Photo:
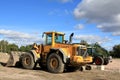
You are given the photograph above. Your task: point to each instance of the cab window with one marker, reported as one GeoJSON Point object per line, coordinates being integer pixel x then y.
{"type": "Point", "coordinates": [58, 38]}
{"type": "Point", "coordinates": [49, 39]}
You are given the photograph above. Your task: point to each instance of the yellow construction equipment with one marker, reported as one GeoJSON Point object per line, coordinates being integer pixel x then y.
{"type": "Point", "coordinates": [57, 54]}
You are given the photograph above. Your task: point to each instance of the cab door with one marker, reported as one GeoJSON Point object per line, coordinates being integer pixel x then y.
{"type": "Point", "coordinates": [48, 42]}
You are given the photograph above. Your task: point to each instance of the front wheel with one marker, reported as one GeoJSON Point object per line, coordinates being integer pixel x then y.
{"type": "Point", "coordinates": [28, 61]}
{"type": "Point", "coordinates": [55, 63]}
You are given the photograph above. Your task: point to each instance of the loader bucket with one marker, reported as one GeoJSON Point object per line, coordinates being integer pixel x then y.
{"type": "Point", "coordinates": [13, 59]}
{"type": "Point", "coordinates": [10, 61]}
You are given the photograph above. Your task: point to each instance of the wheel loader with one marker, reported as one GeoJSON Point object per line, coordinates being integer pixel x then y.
{"type": "Point", "coordinates": [56, 54]}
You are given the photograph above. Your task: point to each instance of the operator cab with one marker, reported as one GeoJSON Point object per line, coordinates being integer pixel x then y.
{"type": "Point", "coordinates": [54, 37]}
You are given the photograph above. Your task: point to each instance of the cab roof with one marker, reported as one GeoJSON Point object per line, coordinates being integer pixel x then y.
{"type": "Point", "coordinates": [54, 32]}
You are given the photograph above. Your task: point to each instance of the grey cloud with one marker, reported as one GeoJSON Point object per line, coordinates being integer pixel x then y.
{"type": "Point", "coordinates": [104, 13]}
{"type": "Point", "coordinates": [14, 34]}
{"type": "Point", "coordinates": [20, 37]}
{"type": "Point", "coordinates": [110, 27]}
{"type": "Point", "coordinates": [92, 38]}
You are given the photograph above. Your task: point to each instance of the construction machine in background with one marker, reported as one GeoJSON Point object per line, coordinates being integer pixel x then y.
{"type": "Point", "coordinates": [57, 54]}
{"type": "Point", "coordinates": [98, 59]}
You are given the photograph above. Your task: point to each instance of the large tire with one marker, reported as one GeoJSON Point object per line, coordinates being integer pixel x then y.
{"type": "Point", "coordinates": [55, 63]}
{"type": "Point", "coordinates": [106, 61]}
{"type": "Point", "coordinates": [99, 60]}
{"type": "Point", "coordinates": [28, 61]}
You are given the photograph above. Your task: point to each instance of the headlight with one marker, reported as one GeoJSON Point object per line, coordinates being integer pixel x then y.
{"type": "Point", "coordinates": [69, 56]}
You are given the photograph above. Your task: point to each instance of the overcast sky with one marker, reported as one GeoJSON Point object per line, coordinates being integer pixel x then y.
{"type": "Point", "coordinates": [23, 21]}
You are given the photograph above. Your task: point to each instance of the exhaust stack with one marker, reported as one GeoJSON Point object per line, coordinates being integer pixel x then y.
{"type": "Point", "coordinates": [70, 38]}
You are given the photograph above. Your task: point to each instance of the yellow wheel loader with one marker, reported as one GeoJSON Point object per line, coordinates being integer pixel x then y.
{"type": "Point", "coordinates": [57, 54]}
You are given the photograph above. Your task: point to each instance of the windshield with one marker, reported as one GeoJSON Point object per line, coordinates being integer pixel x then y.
{"type": "Point", "coordinates": [90, 51]}
{"type": "Point", "coordinates": [58, 38]}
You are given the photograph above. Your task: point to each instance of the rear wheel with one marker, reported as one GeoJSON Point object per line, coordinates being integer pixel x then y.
{"type": "Point", "coordinates": [55, 63]}
{"type": "Point", "coordinates": [28, 61]}
{"type": "Point", "coordinates": [99, 60]}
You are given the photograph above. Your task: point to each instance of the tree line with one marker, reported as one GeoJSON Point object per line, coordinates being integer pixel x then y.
{"type": "Point", "coordinates": [115, 52]}
{"type": "Point", "coordinates": [8, 47]}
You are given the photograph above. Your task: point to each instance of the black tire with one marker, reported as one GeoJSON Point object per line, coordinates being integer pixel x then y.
{"type": "Point", "coordinates": [82, 68]}
{"type": "Point", "coordinates": [18, 64]}
{"type": "Point", "coordinates": [72, 68]}
{"type": "Point", "coordinates": [28, 61]}
{"type": "Point", "coordinates": [106, 61]}
{"type": "Point", "coordinates": [42, 66]}
{"type": "Point", "coordinates": [99, 60]}
{"type": "Point", "coordinates": [88, 67]}
{"type": "Point", "coordinates": [55, 63]}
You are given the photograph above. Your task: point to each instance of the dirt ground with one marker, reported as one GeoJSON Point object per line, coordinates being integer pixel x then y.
{"type": "Point", "coordinates": [111, 72]}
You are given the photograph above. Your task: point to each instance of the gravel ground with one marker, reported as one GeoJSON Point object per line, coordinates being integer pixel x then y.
{"type": "Point", "coordinates": [111, 72]}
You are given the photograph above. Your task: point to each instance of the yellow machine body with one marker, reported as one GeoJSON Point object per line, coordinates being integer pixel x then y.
{"type": "Point", "coordinates": [75, 52]}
